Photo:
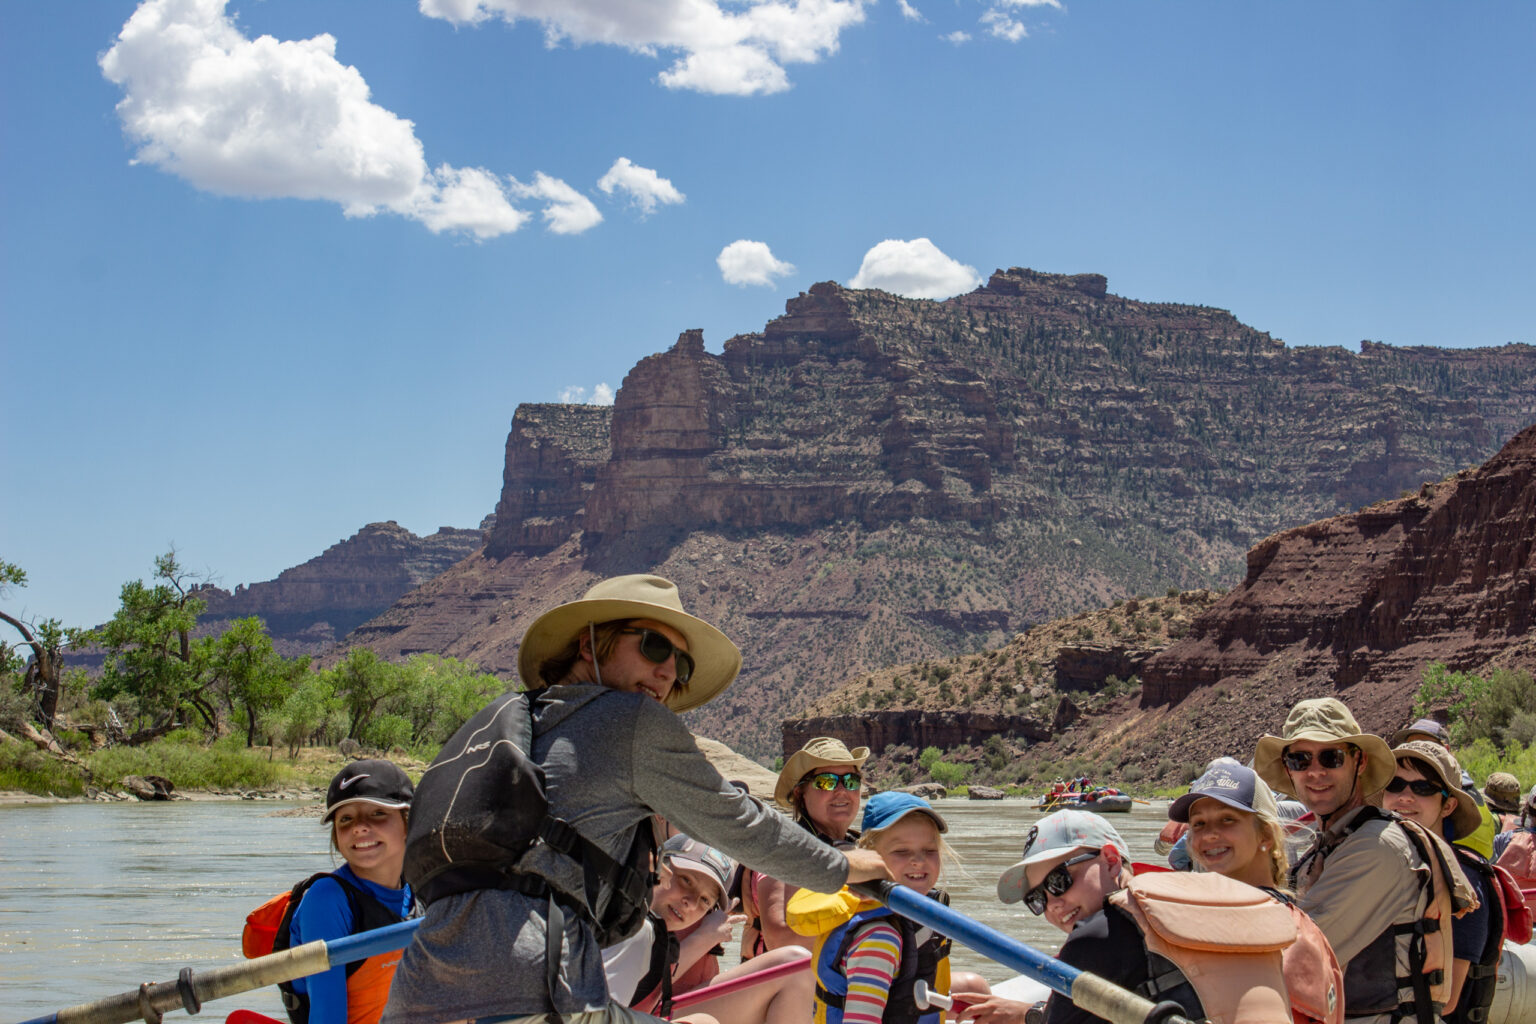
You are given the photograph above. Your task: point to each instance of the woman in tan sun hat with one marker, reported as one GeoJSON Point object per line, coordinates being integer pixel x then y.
{"type": "Point", "coordinates": [610, 670]}
{"type": "Point", "coordinates": [820, 786]}
{"type": "Point", "coordinates": [1427, 789]}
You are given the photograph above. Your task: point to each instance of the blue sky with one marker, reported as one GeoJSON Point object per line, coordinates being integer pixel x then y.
{"type": "Point", "coordinates": [280, 268]}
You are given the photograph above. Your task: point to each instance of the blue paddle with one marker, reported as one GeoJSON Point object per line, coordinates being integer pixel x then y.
{"type": "Point", "coordinates": [1088, 991]}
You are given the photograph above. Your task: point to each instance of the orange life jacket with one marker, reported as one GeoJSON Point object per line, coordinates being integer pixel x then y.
{"type": "Point", "coordinates": [1225, 938]}
{"type": "Point", "coordinates": [1313, 977]}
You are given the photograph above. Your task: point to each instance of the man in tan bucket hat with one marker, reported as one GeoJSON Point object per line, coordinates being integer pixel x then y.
{"type": "Point", "coordinates": [610, 671]}
{"type": "Point", "coordinates": [1366, 880]}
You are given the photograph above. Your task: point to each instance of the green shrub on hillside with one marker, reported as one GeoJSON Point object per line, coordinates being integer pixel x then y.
{"type": "Point", "coordinates": [25, 768]}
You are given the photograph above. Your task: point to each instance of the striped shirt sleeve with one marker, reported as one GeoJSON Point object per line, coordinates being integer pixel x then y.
{"type": "Point", "coordinates": [869, 966]}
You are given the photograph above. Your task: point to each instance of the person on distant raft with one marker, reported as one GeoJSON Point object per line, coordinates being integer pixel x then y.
{"type": "Point", "coordinates": [1234, 830]}
{"type": "Point", "coordinates": [820, 786]}
{"type": "Point", "coordinates": [366, 806]}
{"type": "Point", "coordinates": [1382, 889]}
{"type": "Point", "coordinates": [610, 672]}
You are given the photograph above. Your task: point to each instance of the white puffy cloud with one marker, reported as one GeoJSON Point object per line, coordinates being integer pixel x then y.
{"type": "Point", "coordinates": [567, 212]}
{"type": "Point", "coordinates": [909, 12]}
{"type": "Point", "coordinates": [576, 394]}
{"type": "Point", "coordinates": [957, 37]}
{"type": "Point", "coordinates": [645, 187]}
{"type": "Point", "coordinates": [269, 118]}
{"type": "Point", "coordinates": [745, 262]}
{"type": "Point", "coordinates": [916, 269]}
{"type": "Point", "coordinates": [729, 47]}
{"type": "Point", "coordinates": [1003, 26]}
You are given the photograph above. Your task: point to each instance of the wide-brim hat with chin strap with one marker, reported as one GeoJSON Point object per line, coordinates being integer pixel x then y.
{"type": "Point", "coordinates": [715, 659]}
{"type": "Point", "coordinates": [1444, 769]}
{"type": "Point", "coordinates": [1323, 720]}
{"type": "Point", "coordinates": [820, 752]}
{"type": "Point", "coordinates": [1502, 791]}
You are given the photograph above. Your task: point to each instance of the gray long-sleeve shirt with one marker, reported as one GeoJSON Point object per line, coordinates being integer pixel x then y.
{"type": "Point", "coordinates": [610, 759]}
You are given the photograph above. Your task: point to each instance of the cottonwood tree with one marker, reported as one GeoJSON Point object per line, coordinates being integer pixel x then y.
{"type": "Point", "coordinates": [249, 676]}
{"type": "Point", "coordinates": [151, 655]}
{"type": "Point", "coordinates": [46, 640]}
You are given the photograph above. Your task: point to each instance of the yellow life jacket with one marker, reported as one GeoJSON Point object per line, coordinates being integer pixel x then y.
{"type": "Point", "coordinates": [1225, 938]}
{"type": "Point", "coordinates": [833, 919]}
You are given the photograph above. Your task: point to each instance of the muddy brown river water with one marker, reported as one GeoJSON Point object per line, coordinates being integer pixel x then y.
{"type": "Point", "coordinates": [97, 898]}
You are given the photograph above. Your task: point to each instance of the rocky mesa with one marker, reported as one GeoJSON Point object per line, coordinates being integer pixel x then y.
{"type": "Point", "coordinates": [872, 480]}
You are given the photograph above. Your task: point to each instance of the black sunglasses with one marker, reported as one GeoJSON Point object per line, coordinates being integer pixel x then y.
{"type": "Point", "coordinates": [1057, 881]}
{"type": "Point", "coordinates": [1420, 787]}
{"type": "Point", "coordinates": [1301, 760]}
{"type": "Point", "coordinates": [657, 648]}
{"type": "Point", "coordinates": [827, 781]}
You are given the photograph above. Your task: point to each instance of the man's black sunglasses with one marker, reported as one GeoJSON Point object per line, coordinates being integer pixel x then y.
{"type": "Point", "coordinates": [1420, 787]}
{"type": "Point", "coordinates": [657, 648]}
{"type": "Point", "coordinates": [1301, 760]}
{"type": "Point", "coordinates": [1057, 881]}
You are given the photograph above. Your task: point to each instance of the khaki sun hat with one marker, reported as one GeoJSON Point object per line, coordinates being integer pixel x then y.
{"type": "Point", "coordinates": [1323, 720]}
{"type": "Point", "coordinates": [1502, 791]}
{"type": "Point", "coordinates": [817, 753]}
{"type": "Point", "coordinates": [716, 660]}
{"type": "Point", "coordinates": [1442, 768]}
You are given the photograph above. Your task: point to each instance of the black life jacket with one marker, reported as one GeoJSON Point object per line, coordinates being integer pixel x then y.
{"type": "Point", "coordinates": [481, 806]}
{"type": "Point", "coordinates": [367, 914]}
{"type": "Point", "coordinates": [1483, 973]}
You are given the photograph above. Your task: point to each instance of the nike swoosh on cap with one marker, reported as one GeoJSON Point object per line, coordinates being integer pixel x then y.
{"type": "Point", "coordinates": [347, 782]}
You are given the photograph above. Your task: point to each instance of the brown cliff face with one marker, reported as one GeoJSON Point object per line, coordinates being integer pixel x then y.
{"type": "Point", "coordinates": [872, 480]}
{"type": "Point", "coordinates": [1357, 605]}
{"type": "Point", "coordinates": [552, 458]}
{"type": "Point", "coordinates": [879, 730]}
{"type": "Point", "coordinates": [311, 605]}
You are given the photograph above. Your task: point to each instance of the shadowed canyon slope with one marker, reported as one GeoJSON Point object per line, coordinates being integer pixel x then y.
{"type": "Point", "coordinates": [874, 480]}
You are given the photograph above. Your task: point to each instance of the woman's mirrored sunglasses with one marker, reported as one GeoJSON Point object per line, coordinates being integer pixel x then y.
{"type": "Point", "coordinates": [1420, 787]}
{"type": "Point", "coordinates": [1301, 760]}
{"type": "Point", "coordinates": [1057, 881]}
{"type": "Point", "coordinates": [828, 781]}
{"type": "Point", "coordinates": [657, 648]}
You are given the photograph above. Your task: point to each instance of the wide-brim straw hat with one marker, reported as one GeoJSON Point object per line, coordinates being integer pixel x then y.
{"type": "Point", "coordinates": [817, 753]}
{"type": "Point", "coordinates": [1323, 720]}
{"type": "Point", "coordinates": [1443, 768]}
{"type": "Point", "coordinates": [715, 659]}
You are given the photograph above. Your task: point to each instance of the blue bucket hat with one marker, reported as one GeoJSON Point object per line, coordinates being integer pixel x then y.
{"type": "Point", "coordinates": [1232, 784]}
{"type": "Point", "coordinates": [886, 809]}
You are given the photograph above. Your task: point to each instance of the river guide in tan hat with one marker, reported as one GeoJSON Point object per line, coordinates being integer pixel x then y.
{"type": "Point", "coordinates": [646, 612]}
{"type": "Point", "coordinates": [518, 931]}
{"type": "Point", "coordinates": [1368, 876]}
{"type": "Point", "coordinates": [1324, 722]}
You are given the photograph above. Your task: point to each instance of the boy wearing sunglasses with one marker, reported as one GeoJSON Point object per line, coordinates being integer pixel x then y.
{"type": "Point", "coordinates": [1073, 862]}
{"type": "Point", "coordinates": [610, 672]}
{"type": "Point", "coordinates": [1377, 888]}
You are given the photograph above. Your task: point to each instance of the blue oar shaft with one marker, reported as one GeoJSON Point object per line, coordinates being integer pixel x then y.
{"type": "Point", "coordinates": [233, 979]}
{"type": "Point", "coordinates": [1088, 991]}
